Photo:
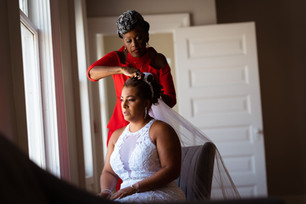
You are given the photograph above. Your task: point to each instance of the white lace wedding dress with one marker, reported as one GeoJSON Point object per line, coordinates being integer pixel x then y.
{"type": "Point", "coordinates": [135, 158]}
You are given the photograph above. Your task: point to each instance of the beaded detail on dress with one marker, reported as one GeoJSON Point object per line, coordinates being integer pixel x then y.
{"type": "Point", "coordinates": [143, 161]}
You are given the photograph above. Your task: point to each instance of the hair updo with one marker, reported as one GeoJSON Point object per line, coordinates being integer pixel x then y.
{"type": "Point", "coordinates": [144, 90]}
{"type": "Point", "coordinates": [129, 20]}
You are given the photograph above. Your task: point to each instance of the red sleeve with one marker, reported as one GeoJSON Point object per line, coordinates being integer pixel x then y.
{"type": "Point", "coordinates": [110, 59]}
{"type": "Point", "coordinates": [166, 81]}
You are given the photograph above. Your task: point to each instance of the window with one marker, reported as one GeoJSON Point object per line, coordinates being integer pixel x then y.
{"type": "Point", "coordinates": [29, 39]}
{"type": "Point", "coordinates": [39, 79]}
{"type": "Point", "coordinates": [23, 5]}
{"type": "Point", "coordinates": [51, 133]}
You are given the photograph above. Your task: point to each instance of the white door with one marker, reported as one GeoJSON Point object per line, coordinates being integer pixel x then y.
{"type": "Point", "coordinates": [218, 91]}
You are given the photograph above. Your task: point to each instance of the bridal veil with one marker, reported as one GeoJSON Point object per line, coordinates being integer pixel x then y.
{"type": "Point", "coordinates": [222, 185]}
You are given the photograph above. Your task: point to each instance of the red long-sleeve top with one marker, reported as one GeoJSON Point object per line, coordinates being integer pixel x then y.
{"type": "Point", "coordinates": [163, 76]}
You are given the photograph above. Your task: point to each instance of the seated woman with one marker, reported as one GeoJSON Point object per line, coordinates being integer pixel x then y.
{"type": "Point", "coordinates": [146, 154]}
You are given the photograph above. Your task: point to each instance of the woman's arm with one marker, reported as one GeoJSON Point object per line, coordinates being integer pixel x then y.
{"type": "Point", "coordinates": [100, 72]}
{"type": "Point", "coordinates": [169, 151]}
{"type": "Point", "coordinates": [108, 65]}
{"type": "Point", "coordinates": [159, 61]}
{"type": "Point", "coordinates": [108, 178]}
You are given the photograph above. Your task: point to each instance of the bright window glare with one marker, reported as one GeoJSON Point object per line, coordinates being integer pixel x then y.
{"type": "Point", "coordinates": [23, 5]}
{"type": "Point", "coordinates": [33, 96]}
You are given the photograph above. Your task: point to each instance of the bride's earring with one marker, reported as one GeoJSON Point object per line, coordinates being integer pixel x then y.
{"type": "Point", "coordinates": [145, 113]}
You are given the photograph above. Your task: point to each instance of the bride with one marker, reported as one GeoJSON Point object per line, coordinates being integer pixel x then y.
{"type": "Point", "coordinates": [146, 154]}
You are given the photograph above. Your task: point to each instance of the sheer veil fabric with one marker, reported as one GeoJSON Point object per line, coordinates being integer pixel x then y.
{"type": "Point", "coordinates": [222, 185]}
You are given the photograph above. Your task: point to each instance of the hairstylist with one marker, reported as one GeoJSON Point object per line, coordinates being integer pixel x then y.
{"type": "Point", "coordinates": [133, 58]}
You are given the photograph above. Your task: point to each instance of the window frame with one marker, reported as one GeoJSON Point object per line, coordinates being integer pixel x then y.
{"type": "Point", "coordinates": [36, 141]}
{"type": "Point", "coordinates": [54, 116]}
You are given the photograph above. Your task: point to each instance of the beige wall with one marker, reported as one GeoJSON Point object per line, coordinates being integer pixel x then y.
{"type": "Point", "coordinates": [111, 43]}
{"type": "Point", "coordinates": [202, 11]}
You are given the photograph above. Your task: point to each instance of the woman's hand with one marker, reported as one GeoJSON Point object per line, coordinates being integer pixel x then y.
{"type": "Point", "coordinates": [123, 193]}
{"type": "Point", "coordinates": [105, 194]}
{"type": "Point", "coordinates": [131, 72]}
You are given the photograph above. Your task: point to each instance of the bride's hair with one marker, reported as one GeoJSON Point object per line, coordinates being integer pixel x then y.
{"type": "Point", "coordinates": [147, 87]}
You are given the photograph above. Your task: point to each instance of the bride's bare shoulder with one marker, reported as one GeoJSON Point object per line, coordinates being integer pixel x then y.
{"type": "Point", "coordinates": [160, 128]}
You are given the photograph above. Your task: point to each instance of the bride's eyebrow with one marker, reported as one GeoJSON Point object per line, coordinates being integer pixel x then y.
{"type": "Point", "coordinates": [131, 96]}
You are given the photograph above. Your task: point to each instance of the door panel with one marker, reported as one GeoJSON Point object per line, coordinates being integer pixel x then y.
{"type": "Point", "coordinates": [218, 91]}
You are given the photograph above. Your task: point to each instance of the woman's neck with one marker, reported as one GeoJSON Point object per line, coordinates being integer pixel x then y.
{"type": "Point", "coordinates": [137, 125]}
{"type": "Point", "coordinates": [137, 60]}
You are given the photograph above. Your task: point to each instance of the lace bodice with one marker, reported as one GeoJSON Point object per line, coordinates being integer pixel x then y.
{"type": "Point", "coordinates": [141, 161]}
{"type": "Point", "coordinates": [135, 158]}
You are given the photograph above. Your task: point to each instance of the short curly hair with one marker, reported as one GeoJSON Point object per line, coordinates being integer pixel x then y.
{"type": "Point", "coordinates": [129, 20]}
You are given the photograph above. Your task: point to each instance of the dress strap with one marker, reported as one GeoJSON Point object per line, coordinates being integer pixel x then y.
{"type": "Point", "coordinates": [149, 124]}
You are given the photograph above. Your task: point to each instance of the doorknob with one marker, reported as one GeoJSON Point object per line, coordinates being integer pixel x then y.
{"type": "Point", "coordinates": [258, 134]}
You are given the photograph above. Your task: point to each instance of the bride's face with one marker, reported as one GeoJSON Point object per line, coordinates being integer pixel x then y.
{"type": "Point", "coordinates": [133, 106]}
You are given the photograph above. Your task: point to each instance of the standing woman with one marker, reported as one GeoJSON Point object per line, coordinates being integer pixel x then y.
{"type": "Point", "coordinates": [130, 60]}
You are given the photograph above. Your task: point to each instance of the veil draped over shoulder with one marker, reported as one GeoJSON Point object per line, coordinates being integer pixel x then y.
{"type": "Point", "coordinates": [222, 185]}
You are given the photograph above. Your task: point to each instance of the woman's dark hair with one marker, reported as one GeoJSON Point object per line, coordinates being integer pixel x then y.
{"type": "Point", "coordinates": [129, 20]}
{"type": "Point", "coordinates": [144, 90]}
